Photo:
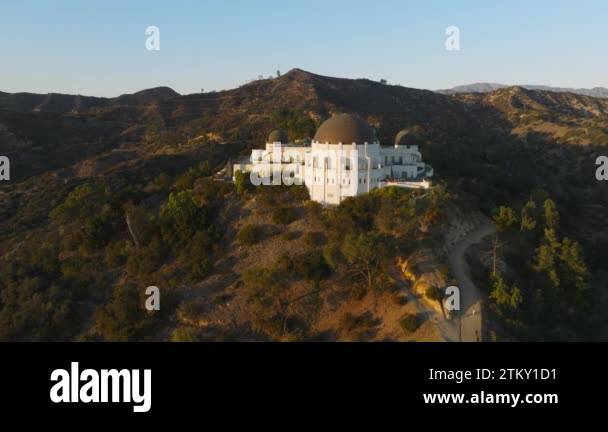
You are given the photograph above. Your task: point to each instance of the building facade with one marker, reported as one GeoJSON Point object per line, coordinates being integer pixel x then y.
{"type": "Point", "coordinates": [344, 159]}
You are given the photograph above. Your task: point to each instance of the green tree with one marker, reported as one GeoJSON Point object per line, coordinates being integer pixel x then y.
{"type": "Point", "coordinates": [250, 234]}
{"type": "Point", "coordinates": [240, 182]}
{"type": "Point", "coordinates": [140, 224]}
{"type": "Point", "coordinates": [123, 318]}
{"type": "Point", "coordinates": [267, 294]}
{"type": "Point", "coordinates": [80, 203]}
{"type": "Point", "coordinates": [284, 215]}
{"type": "Point", "coordinates": [365, 254]}
{"type": "Point", "coordinates": [503, 295]}
{"type": "Point", "coordinates": [505, 218]}
{"type": "Point", "coordinates": [575, 268]}
{"type": "Point", "coordinates": [547, 255]}
{"type": "Point", "coordinates": [409, 323]}
{"type": "Point", "coordinates": [184, 334]}
{"type": "Point", "coordinates": [181, 218]}
{"type": "Point", "coordinates": [551, 214]}
{"type": "Point", "coordinates": [527, 217]}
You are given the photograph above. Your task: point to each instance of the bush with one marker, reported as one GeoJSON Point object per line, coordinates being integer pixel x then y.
{"type": "Point", "coordinates": [185, 334]}
{"type": "Point", "coordinates": [284, 215]}
{"type": "Point", "coordinates": [72, 268]}
{"type": "Point", "coordinates": [311, 266]}
{"type": "Point", "coordinates": [186, 180]}
{"type": "Point", "coordinates": [199, 252]}
{"type": "Point", "coordinates": [122, 318]}
{"type": "Point", "coordinates": [221, 299]}
{"type": "Point", "coordinates": [250, 234]}
{"type": "Point", "coordinates": [348, 322]}
{"type": "Point", "coordinates": [147, 259]}
{"type": "Point", "coordinates": [181, 218]}
{"type": "Point", "coordinates": [161, 183]}
{"type": "Point", "coordinates": [314, 212]}
{"type": "Point", "coordinates": [313, 239]}
{"type": "Point", "coordinates": [241, 183]}
{"type": "Point", "coordinates": [400, 300]}
{"type": "Point", "coordinates": [200, 269]}
{"type": "Point", "coordinates": [290, 235]}
{"type": "Point", "coordinates": [409, 323]}
{"type": "Point", "coordinates": [96, 233]}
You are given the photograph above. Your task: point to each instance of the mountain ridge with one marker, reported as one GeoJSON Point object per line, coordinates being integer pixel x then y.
{"type": "Point", "coordinates": [485, 87]}
{"type": "Point", "coordinates": [75, 103]}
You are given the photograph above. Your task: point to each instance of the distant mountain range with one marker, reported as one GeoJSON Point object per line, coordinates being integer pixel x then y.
{"type": "Point", "coordinates": [601, 92]}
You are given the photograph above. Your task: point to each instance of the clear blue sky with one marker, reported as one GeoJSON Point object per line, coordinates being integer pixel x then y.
{"type": "Point", "coordinates": [97, 47]}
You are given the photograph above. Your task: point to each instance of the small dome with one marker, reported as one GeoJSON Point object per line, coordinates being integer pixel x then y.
{"type": "Point", "coordinates": [278, 136]}
{"type": "Point", "coordinates": [345, 129]}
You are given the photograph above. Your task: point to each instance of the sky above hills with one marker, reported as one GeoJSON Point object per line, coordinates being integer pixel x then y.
{"type": "Point", "coordinates": [97, 47]}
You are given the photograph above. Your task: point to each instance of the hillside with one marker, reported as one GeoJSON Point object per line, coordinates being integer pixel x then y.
{"type": "Point", "coordinates": [489, 149]}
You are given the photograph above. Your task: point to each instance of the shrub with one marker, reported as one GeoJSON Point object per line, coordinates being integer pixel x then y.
{"type": "Point", "coordinates": [313, 239]}
{"type": "Point", "coordinates": [122, 317]}
{"type": "Point", "coordinates": [348, 322]}
{"type": "Point", "coordinates": [186, 180]}
{"type": "Point", "coordinates": [185, 334]}
{"type": "Point", "coordinates": [409, 323]}
{"type": "Point", "coordinates": [241, 183]}
{"type": "Point", "coordinates": [314, 212]}
{"type": "Point", "coordinates": [148, 259]}
{"type": "Point", "coordinates": [200, 269]}
{"type": "Point", "coordinates": [221, 299]}
{"type": "Point", "coordinates": [311, 266]}
{"type": "Point", "coordinates": [400, 300]}
{"type": "Point", "coordinates": [250, 234]}
{"type": "Point", "coordinates": [181, 218]}
{"type": "Point", "coordinates": [284, 215]}
{"type": "Point", "coordinates": [96, 233]}
{"type": "Point", "coordinates": [162, 182]}
{"type": "Point", "coordinates": [290, 235]}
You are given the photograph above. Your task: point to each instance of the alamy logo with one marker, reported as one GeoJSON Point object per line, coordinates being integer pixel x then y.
{"type": "Point", "coordinates": [90, 386]}
{"type": "Point", "coordinates": [153, 39]}
{"type": "Point", "coordinates": [452, 42]}
{"type": "Point", "coordinates": [5, 168]}
{"type": "Point", "coordinates": [602, 171]}
{"type": "Point", "coordinates": [285, 166]}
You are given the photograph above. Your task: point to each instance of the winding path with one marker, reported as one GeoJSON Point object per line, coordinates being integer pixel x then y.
{"type": "Point", "coordinates": [470, 295]}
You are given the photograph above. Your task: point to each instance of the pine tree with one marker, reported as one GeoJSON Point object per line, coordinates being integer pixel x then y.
{"type": "Point", "coordinates": [503, 295]}
{"type": "Point", "coordinates": [505, 218]}
{"type": "Point", "coordinates": [547, 256]}
{"type": "Point", "coordinates": [572, 259]}
{"type": "Point", "coordinates": [527, 217]}
{"type": "Point", "coordinates": [551, 214]}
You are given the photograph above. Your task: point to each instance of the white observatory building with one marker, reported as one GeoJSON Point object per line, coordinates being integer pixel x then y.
{"type": "Point", "coordinates": [345, 159]}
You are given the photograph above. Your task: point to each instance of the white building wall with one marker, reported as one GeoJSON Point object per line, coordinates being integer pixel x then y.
{"type": "Point", "coordinates": [333, 172]}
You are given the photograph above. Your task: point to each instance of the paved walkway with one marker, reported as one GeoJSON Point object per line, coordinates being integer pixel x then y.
{"type": "Point", "coordinates": [470, 295]}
